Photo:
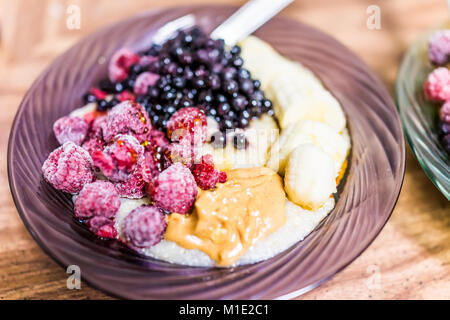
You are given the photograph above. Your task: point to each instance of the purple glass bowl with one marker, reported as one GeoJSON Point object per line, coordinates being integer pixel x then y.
{"type": "Point", "coordinates": [366, 197]}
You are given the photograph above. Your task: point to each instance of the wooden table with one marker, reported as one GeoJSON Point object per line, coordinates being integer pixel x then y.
{"type": "Point", "coordinates": [410, 259]}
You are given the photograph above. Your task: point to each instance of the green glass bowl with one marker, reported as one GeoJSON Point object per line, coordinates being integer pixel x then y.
{"type": "Point", "coordinates": [419, 117]}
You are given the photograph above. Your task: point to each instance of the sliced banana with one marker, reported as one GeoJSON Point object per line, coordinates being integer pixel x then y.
{"type": "Point", "coordinates": [297, 96]}
{"type": "Point", "coordinates": [289, 139]}
{"type": "Point", "coordinates": [307, 131]}
{"type": "Point", "coordinates": [256, 54]}
{"type": "Point", "coordinates": [310, 176]}
{"type": "Point", "coordinates": [295, 91]}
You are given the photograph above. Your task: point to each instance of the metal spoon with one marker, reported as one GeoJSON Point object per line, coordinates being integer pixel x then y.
{"type": "Point", "coordinates": [247, 19]}
{"type": "Point", "coordinates": [242, 23]}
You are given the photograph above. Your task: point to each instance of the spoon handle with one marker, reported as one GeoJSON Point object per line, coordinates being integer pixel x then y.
{"type": "Point", "coordinates": [247, 19]}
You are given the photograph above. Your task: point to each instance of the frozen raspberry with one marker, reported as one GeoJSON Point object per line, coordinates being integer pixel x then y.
{"type": "Point", "coordinates": [89, 117]}
{"type": "Point", "coordinates": [135, 186]}
{"type": "Point", "coordinates": [155, 152]}
{"type": "Point", "coordinates": [143, 81]}
{"type": "Point", "coordinates": [439, 47]}
{"type": "Point", "coordinates": [125, 95]}
{"type": "Point", "coordinates": [206, 176]}
{"type": "Point", "coordinates": [94, 140]}
{"type": "Point", "coordinates": [107, 231]}
{"type": "Point", "coordinates": [184, 152]}
{"type": "Point", "coordinates": [68, 168]}
{"type": "Point", "coordinates": [144, 226]}
{"type": "Point", "coordinates": [155, 163]}
{"type": "Point", "coordinates": [157, 139]}
{"type": "Point", "coordinates": [99, 94]}
{"type": "Point", "coordinates": [93, 145]}
{"type": "Point", "coordinates": [102, 227]}
{"type": "Point", "coordinates": [174, 189]}
{"type": "Point", "coordinates": [188, 123]}
{"type": "Point", "coordinates": [223, 177]}
{"type": "Point", "coordinates": [120, 158]}
{"type": "Point", "coordinates": [127, 118]}
{"type": "Point", "coordinates": [155, 148]}
{"type": "Point", "coordinates": [96, 128]}
{"type": "Point", "coordinates": [181, 153]}
{"type": "Point", "coordinates": [72, 129]}
{"type": "Point", "coordinates": [437, 85]}
{"type": "Point", "coordinates": [444, 113]}
{"type": "Point", "coordinates": [99, 198]}
{"type": "Point", "coordinates": [120, 62]}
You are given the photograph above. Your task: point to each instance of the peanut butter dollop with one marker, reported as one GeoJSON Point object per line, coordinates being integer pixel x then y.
{"type": "Point", "coordinates": [228, 220]}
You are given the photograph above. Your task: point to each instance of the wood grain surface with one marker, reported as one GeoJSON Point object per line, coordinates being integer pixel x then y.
{"type": "Point", "coordinates": [410, 259]}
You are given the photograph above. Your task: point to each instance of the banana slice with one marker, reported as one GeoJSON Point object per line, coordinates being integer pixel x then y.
{"type": "Point", "coordinates": [298, 95]}
{"type": "Point", "coordinates": [307, 131]}
{"type": "Point", "coordinates": [326, 109]}
{"type": "Point", "coordinates": [323, 136]}
{"type": "Point", "coordinates": [310, 177]}
{"type": "Point", "coordinates": [289, 139]}
{"type": "Point", "coordinates": [256, 54]}
{"type": "Point", "coordinates": [295, 91]}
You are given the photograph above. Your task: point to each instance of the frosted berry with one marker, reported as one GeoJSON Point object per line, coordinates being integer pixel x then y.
{"type": "Point", "coordinates": [99, 198]}
{"type": "Point", "coordinates": [439, 47]}
{"type": "Point", "coordinates": [68, 168]}
{"type": "Point", "coordinates": [125, 95]}
{"type": "Point", "coordinates": [174, 190]}
{"type": "Point", "coordinates": [98, 94]}
{"type": "Point", "coordinates": [102, 227]}
{"type": "Point", "coordinates": [119, 64]}
{"type": "Point", "coordinates": [188, 123]}
{"type": "Point", "coordinates": [94, 145]}
{"type": "Point", "coordinates": [96, 128]}
{"type": "Point", "coordinates": [206, 175]}
{"type": "Point", "coordinates": [144, 226]}
{"type": "Point", "coordinates": [134, 187]}
{"type": "Point", "coordinates": [184, 153]}
{"type": "Point", "coordinates": [155, 152]}
{"type": "Point", "coordinates": [157, 139]}
{"type": "Point", "coordinates": [127, 118]}
{"type": "Point", "coordinates": [444, 113]}
{"type": "Point", "coordinates": [70, 129]}
{"type": "Point", "coordinates": [94, 140]}
{"type": "Point", "coordinates": [223, 177]}
{"type": "Point", "coordinates": [181, 153]}
{"type": "Point", "coordinates": [89, 117]}
{"type": "Point", "coordinates": [120, 158]}
{"type": "Point", "coordinates": [143, 81]}
{"type": "Point", "coordinates": [437, 85]}
{"type": "Point", "coordinates": [154, 163]}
